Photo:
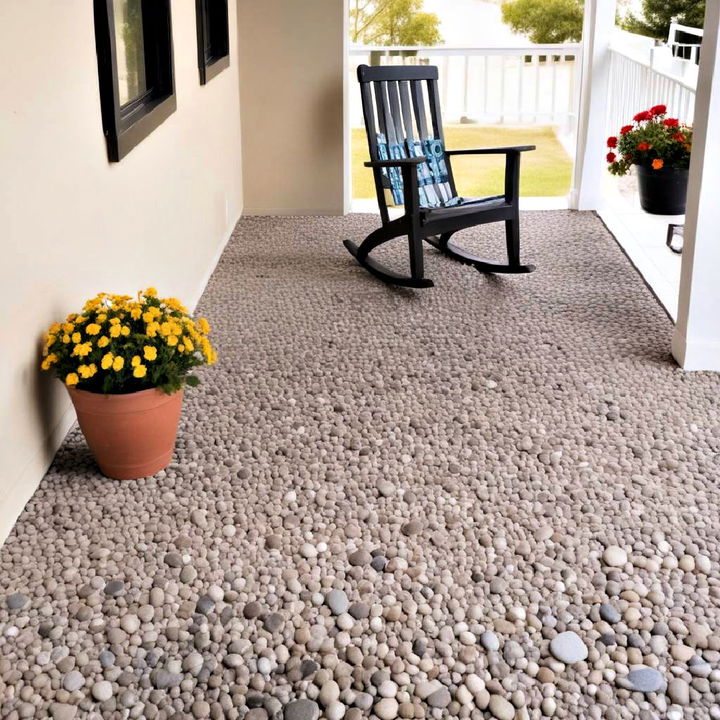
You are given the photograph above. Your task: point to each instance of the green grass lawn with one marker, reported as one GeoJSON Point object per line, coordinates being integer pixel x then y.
{"type": "Point", "coordinates": [544, 172]}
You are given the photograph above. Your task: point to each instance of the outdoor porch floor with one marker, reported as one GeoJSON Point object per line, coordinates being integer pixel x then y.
{"type": "Point", "coordinates": [390, 502]}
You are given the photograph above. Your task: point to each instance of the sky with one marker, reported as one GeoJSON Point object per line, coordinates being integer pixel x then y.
{"type": "Point", "coordinates": [478, 23]}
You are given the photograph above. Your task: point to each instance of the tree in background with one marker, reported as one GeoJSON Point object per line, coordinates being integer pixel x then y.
{"type": "Point", "coordinates": [658, 14]}
{"type": "Point", "coordinates": [393, 22]}
{"type": "Point", "coordinates": [545, 21]}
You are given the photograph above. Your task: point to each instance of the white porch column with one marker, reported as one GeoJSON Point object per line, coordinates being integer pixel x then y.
{"type": "Point", "coordinates": [696, 341]}
{"type": "Point", "coordinates": [590, 150]}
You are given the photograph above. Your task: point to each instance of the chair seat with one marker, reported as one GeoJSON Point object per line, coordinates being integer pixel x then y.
{"type": "Point", "coordinates": [467, 206]}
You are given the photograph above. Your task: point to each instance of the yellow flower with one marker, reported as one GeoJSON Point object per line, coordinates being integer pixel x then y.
{"type": "Point", "coordinates": [83, 349]}
{"type": "Point", "coordinates": [87, 371]}
{"type": "Point", "coordinates": [125, 330]}
{"type": "Point", "coordinates": [76, 337]}
{"type": "Point", "coordinates": [54, 329]}
{"type": "Point", "coordinates": [66, 338]}
{"type": "Point", "coordinates": [149, 352]}
{"type": "Point", "coordinates": [188, 344]}
{"type": "Point", "coordinates": [172, 340]}
{"type": "Point", "coordinates": [115, 331]}
{"type": "Point", "coordinates": [72, 379]}
{"type": "Point", "coordinates": [80, 319]}
{"type": "Point", "coordinates": [140, 371]}
{"type": "Point", "coordinates": [118, 363]}
{"type": "Point", "coordinates": [204, 326]}
{"type": "Point", "coordinates": [174, 304]}
{"type": "Point", "coordinates": [104, 341]}
{"type": "Point", "coordinates": [107, 361]}
{"type": "Point", "coordinates": [135, 360]}
{"type": "Point", "coordinates": [166, 328]}
{"type": "Point", "coordinates": [49, 339]}
{"type": "Point", "coordinates": [115, 321]}
{"type": "Point", "coordinates": [151, 330]}
{"type": "Point", "coordinates": [181, 348]}
{"type": "Point", "coordinates": [102, 317]}
{"type": "Point", "coordinates": [150, 292]}
{"type": "Point", "coordinates": [49, 361]}
{"type": "Point", "coordinates": [136, 312]}
{"type": "Point", "coordinates": [93, 329]}
{"type": "Point", "coordinates": [68, 327]}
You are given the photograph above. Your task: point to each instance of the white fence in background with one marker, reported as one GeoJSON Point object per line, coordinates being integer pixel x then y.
{"type": "Point", "coordinates": [532, 84]}
{"type": "Point", "coordinates": [643, 75]}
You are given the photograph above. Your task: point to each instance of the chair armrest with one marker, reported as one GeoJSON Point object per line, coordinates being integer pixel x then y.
{"type": "Point", "coordinates": [400, 162]}
{"type": "Point", "coordinates": [491, 151]}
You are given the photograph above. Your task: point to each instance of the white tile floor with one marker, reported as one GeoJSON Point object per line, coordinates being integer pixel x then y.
{"type": "Point", "coordinates": [642, 236]}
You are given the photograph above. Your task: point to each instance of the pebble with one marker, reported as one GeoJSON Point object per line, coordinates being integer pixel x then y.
{"type": "Point", "coordinates": [337, 601]}
{"type": "Point", "coordinates": [62, 711]}
{"type": "Point", "coordinates": [679, 691]}
{"type": "Point", "coordinates": [102, 690]}
{"type": "Point", "coordinates": [489, 640]}
{"type": "Point", "coordinates": [645, 680]}
{"type": "Point", "coordinates": [17, 601]}
{"type": "Point", "coordinates": [439, 699]}
{"type": "Point", "coordinates": [74, 680]}
{"type": "Point", "coordinates": [301, 710]}
{"type": "Point", "coordinates": [615, 556]}
{"type": "Point", "coordinates": [568, 648]}
{"type": "Point", "coordinates": [609, 614]}
{"type": "Point", "coordinates": [386, 709]}
{"type": "Point", "coordinates": [501, 708]}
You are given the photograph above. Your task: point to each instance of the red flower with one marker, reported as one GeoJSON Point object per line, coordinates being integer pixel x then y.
{"type": "Point", "coordinates": [644, 115]}
{"type": "Point", "coordinates": [644, 146]}
{"type": "Point", "coordinates": [671, 122]}
{"type": "Point", "coordinates": [611, 157]}
{"type": "Point", "coordinates": [678, 137]}
{"type": "Point", "coordinates": [612, 142]}
{"type": "Point", "coordinates": [625, 129]}
{"type": "Point", "coordinates": [658, 109]}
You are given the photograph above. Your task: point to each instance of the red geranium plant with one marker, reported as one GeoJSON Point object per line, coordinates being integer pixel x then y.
{"type": "Point", "coordinates": [653, 140]}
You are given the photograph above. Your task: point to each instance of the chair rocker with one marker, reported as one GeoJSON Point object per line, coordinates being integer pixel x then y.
{"type": "Point", "coordinates": [412, 168]}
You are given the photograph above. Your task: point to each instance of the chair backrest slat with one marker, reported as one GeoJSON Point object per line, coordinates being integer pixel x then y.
{"type": "Point", "coordinates": [369, 116]}
{"type": "Point", "coordinates": [406, 107]}
{"type": "Point", "coordinates": [434, 99]}
{"type": "Point", "coordinates": [381, 104]}
{"type": "Point", "coordinates": [400, 133]}
{"type": "Point", "coordinates": [416, 90]}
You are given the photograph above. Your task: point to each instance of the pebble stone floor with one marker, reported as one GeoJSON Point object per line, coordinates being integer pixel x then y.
{"type": "Point", "coordinates": [493, 499]}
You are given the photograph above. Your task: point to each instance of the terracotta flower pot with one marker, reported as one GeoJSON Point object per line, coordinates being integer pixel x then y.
{"type": "Point", "coordinates": [131, 435]}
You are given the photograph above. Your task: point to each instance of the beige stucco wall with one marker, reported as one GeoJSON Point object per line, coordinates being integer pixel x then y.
{"type": "Point", "coordinates": [291, 73]}
{"type": "Point", "coordinates": [71, 224]}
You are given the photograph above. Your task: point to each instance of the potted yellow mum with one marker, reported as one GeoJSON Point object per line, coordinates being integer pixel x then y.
{"type": "Point", "coordinates": [125, 362]}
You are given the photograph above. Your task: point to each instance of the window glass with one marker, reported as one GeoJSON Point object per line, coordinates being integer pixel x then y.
{"type": "Point", "coordinates": [130, 50]}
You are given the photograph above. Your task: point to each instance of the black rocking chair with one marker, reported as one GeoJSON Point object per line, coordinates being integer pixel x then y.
{"type": "Point", "coordinates": [417, 173]}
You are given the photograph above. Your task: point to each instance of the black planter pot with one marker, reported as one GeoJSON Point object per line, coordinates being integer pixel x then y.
{"type": "Point", "coordinates": [664, 191]}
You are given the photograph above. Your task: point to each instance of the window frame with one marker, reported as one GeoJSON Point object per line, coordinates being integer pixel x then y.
{"type": "Point", "coordinates": [127, 125]}
{"type": "Point", "coordinates": [207, 16]}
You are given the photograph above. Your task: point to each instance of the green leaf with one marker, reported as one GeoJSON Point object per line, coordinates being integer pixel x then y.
{"type": "Point", "coordinates": [192, 380]}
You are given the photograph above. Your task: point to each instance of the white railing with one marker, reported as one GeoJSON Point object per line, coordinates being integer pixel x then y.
{"type": "Point", "coordinates": [531, 84]}
{"type": "Point", "coordinates": [639, 80]}
{"type": "Point", "coordinates": [688, 50]}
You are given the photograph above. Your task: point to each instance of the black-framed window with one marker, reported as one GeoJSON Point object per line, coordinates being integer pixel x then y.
{"type": "Point", "coordinates": [213, 38]}
{"type": "Point", "coordinates": [135, 67]}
